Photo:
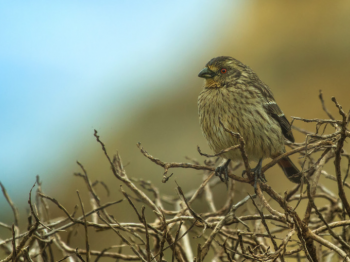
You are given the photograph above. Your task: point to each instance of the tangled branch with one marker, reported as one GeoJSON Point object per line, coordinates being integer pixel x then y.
{"type": "Point", "coordinates": [253, 228]}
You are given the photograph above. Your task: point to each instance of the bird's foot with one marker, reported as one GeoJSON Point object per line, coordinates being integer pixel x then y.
{"type": "Point", "coordinates": [222, 172]}
{"type": "Point", "coordinates": [258, 174]}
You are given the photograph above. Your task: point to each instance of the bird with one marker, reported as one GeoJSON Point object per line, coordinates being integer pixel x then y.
{"type": "Point", "coordinates": [234, 97]}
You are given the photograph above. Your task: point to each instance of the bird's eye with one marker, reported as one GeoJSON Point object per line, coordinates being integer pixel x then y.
{"type": "Point", "coordinates": [223, 71]}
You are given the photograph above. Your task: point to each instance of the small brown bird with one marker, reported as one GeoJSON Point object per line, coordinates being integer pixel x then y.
{"type": "Point", "coordinates": [235, 94]}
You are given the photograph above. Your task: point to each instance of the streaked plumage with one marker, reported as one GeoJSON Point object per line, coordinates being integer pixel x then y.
{"type": "Point", "coordinates": [245, 105]}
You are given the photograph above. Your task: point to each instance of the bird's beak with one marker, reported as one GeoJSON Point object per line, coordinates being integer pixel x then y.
{"type": "Point", "coordinates": [206, 73]}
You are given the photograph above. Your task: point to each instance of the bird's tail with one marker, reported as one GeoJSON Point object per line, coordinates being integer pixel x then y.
{"type": "Point", "coordinates": [290, 170]}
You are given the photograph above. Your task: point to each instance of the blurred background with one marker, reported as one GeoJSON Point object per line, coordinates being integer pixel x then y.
{"type": "Point", "coordinates": [130, 72]}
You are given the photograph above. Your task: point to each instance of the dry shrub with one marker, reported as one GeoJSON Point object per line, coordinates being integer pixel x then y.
{"type": "Point", "coordinates": [261, 233]}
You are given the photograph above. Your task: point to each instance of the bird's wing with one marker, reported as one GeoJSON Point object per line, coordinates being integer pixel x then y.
{"type": "Point", "coordinates": [273, 109]}
{"type": "Point", "coordinates": [276, 113]}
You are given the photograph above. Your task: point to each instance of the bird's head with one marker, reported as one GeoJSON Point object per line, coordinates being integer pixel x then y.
{"type": "Point", "coordinates": [222, 71]}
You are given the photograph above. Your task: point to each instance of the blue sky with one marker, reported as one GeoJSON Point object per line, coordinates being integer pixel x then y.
{"type": "Point", "coordinates": [58, 58]}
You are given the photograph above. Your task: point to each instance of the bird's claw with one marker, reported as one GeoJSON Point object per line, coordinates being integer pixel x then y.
{"type": "Point", "coordinates": [222, 172]}
{"type": "Point", "coordinates": [258, 174]}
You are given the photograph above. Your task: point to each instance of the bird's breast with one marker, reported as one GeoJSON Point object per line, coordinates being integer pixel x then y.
{"type": "Point", "coordinates": [214, 105]}
{"type": "Point", "coordinates": [241, 111]}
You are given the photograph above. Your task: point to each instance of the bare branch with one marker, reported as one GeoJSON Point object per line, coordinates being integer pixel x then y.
{"type": "Point", "coordinates": [8, 199]}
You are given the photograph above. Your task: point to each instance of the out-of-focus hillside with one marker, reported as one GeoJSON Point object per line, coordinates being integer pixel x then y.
{"type": "Point", "coordinates": [297, 48]}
